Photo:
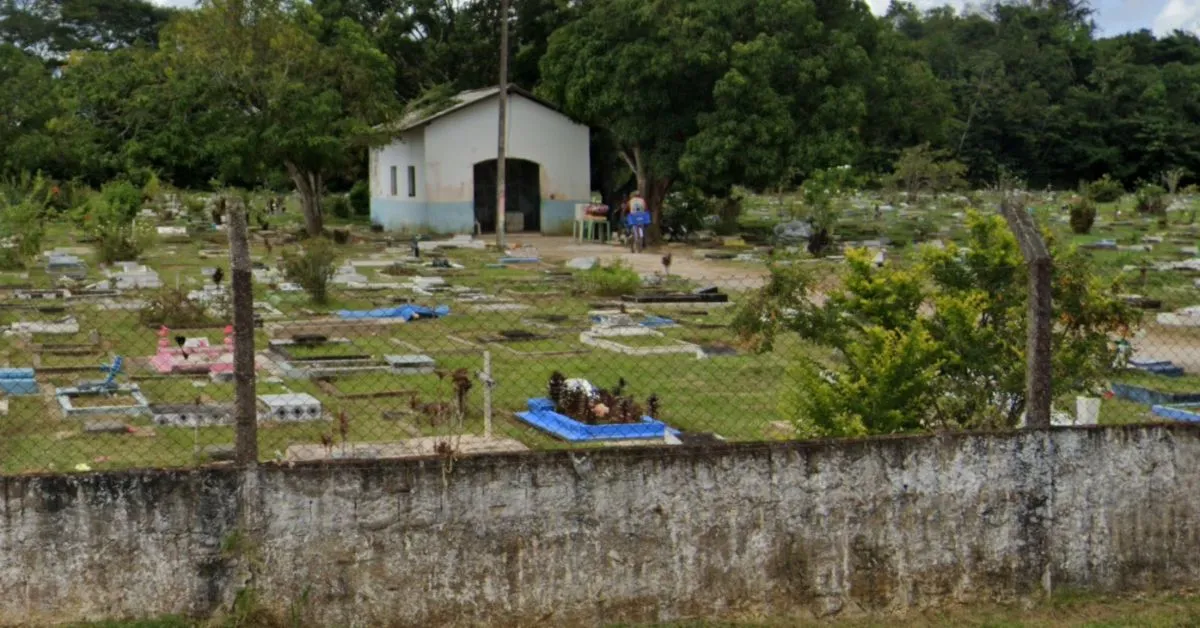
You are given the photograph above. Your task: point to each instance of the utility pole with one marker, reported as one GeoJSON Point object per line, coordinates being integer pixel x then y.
{"type": "Point", "coordinates": [502, 142]}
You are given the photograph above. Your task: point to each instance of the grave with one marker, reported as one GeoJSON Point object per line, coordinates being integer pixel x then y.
{"type": "Point", "coordinates": [67, 325]}
{"type": "Point", "coordinates": [542, 415]}
{"type": "Point", "coordinates": [191, 415]}
{"type": "Point", "coordinates": [410, 364]}
{"type": "Point", "coordinates": [38, 295]}
{"type": "Point", "coordinates": [134, 276]}
{"type": "Point", "coordinates": [294, 365]}
{"type": "Point", "coordinates": [1186, 317]}
{"type": "Point", "coordinates": [289, 407]}
{"type": "Point", "coordinates": [60, 265]}
{"type": "Point", "coordinates": [708, 296]}
{"type": "Point", "coordinates": [107, 388]}
{"type": "Point", "coordinates": [603, 338]}
{"type": "Point", "coordinates": [18, 381]}
{"type": "Point", "coordinates": [193, 355]}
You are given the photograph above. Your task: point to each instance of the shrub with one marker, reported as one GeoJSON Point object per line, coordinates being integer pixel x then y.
{"type": "Point", "coordinates": [1083, 215]}
{"type": "Point", "coordinates": [1105, 190]}
{"type": "Point", "coordinates": [123, 198]}
{"type": "Point", "coordinates": [360, 199]}
{"type": "Point", "coordinates": [609, 281]}
{"type": "Point", "coordinates": [312, 268]}
{"type": "Point", "coordinates": [338, 206]}
{"type": "Point", "coordinates": [172, 308]}
{"type": "Point", "coordinates": [22, 221]}
{"type": "Point", "coordinates": [1151, 199]}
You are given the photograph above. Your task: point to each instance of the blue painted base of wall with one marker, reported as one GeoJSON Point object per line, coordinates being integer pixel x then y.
{"type": "Point", "coordinates": [403, 215]}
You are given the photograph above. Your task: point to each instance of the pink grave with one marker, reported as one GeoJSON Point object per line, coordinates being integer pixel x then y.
{"type": "Point", "coordinates": [195, 356]}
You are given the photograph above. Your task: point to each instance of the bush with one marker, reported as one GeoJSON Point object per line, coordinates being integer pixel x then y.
{"type": "Point", "coordinates": [609, 281]}
{"type": "Point", "coordinates": [1083, 215]}
{"type": "Point", "coordinates": [123, 199]}
{"type": "Point", "coordinates": [1105, 190]}
{"type": "Point", "coordinates": [172, 308]}
{"type": "Point", "coordinates": [1152, 199]}
{"type": "Point", "coordinates": [338, 206]}
{"type": "Point", "coordinates": [312, 268]}
{"type": "Point", "coordinates": [360, 199]}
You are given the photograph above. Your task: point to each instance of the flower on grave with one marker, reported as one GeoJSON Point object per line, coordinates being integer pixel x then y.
{"type": "Point", "coordinates": [600, 410]}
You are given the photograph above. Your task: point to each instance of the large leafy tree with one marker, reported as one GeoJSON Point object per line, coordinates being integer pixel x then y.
{"type": "Point", "coordinates": [55, 28]}
{"type": "Point", "coordinates": [27, 103]}
{"type": "Point", "coordinates": [285, 88]}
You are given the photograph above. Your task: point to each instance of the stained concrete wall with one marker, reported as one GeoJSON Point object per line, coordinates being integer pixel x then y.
{"type": "Point", "coordinates": [575, 538]}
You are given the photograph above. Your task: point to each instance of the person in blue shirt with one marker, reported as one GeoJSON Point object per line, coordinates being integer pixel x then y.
{"type": "Point", "coordinates": [636, 220]}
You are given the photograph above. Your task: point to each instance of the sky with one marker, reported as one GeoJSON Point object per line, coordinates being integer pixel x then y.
{"type": "Point", "coordinates": [1112, 16]}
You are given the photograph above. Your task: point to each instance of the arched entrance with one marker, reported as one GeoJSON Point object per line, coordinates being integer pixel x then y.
{"type": "Point", "coordinates": [523, 194]}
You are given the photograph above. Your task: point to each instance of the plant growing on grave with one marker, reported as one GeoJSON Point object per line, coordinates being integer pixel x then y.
{"type": "Point", "coordinates": [612, 280]}
{"type": "Point", "coordinates": [110, 218]}
{"type": "Point", "coordinates": [312, 268]}
{"type": "Point", "coordinates": [1105, 190]}
{"type": "Point", "coordinates": [22, 223]}
{"type": "Point", "coordinates": [360, 198]}
{"type": "Point", "coordinates": [1082, 215]}
{"type": "Point", "coordinates": [1151, 199]}
{"type": "Point", "coordinates": [1171, 179]}
{"type": "Point", "coordinates": [172, 308]}
{"type": "Point", "coordinates": [937, 345]}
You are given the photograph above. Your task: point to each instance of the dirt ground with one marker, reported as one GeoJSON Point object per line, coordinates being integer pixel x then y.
{"type": "Point", "coordinates": [729, 276]}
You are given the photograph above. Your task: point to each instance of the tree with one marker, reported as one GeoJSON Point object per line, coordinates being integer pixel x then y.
{"type": "Point", "coordinates": [28, 102]}
{"type": "Point", "coordinates": [958, 364]}
{"type": "Point", "coordinates": [285, 88]}
{"type": "Point", "coordinates": [921, 168]}
{"type": "Point", "coordinates": [56, 28]}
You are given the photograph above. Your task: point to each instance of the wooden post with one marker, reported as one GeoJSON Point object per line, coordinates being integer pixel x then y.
{"type": "Point", "coordinates": [246, 446]}
{"type": "Point", "coordinates": [1038, 396]}
{"type": "Point", "coordinates": [502, 141]}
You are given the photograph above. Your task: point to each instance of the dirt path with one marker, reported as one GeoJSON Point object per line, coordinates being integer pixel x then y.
{"type": "Point", "coordinates": [710, 272]}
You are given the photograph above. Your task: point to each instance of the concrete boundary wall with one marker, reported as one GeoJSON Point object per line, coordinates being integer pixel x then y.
{"type": "Point", "coordinates": [626, 534]}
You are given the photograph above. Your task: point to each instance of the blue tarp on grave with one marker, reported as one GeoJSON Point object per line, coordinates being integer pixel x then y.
{"type": "Point", "coordinates": [1187, 412]}
{"type": "Point", "coordinates": [406, 312]}
{"type": "Point", "coordinates": [541, 415]}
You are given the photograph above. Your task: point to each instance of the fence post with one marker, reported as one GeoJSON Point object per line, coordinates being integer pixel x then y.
{"type": "Point", "coordinates": [243, 336]}
{"type": "Point", "coordinates": [1038, 394]}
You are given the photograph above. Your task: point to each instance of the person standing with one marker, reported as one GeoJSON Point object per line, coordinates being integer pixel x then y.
{"type": "Point", "coordinates": [637, 219]}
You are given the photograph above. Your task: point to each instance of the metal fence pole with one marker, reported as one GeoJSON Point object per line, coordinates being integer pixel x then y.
{"type": "Point", "coordinates": [243, 336]}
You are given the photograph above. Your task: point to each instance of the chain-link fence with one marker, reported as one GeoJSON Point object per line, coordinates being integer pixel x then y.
{"type": "Point", "coordinates": [450, 346]}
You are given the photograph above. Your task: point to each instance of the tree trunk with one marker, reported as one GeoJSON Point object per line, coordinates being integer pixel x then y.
{"type": "Point", "coordinates": [310, 186]}
{"type": "Point", "coordinates": [652, 189]}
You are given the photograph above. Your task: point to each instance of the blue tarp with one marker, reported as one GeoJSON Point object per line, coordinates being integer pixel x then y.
{"type": "Point", "coordinates": [541, 415]}
{"type": "Point", "coordinates": [1183, 412]}
{"type": "Point", "coordinates": [406, 312]}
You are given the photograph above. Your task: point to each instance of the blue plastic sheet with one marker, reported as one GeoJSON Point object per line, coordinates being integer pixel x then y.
{"type": "Point", "coordinates": [406, 312]}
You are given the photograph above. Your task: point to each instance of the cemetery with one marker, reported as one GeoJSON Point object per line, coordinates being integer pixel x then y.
{"type": "Point", "coordinates": [373, 359]}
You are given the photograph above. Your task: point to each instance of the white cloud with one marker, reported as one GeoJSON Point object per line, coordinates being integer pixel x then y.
{"type": "Point", "coordinates": [1178, 15]}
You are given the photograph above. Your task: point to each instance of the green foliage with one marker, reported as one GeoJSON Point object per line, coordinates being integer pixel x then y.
{"type": "Point", "coordinates": [612, 280]}
{"type": "Point", "coordinates": [360, 198]}
{"type": "Point", "coordinates": [961, 363]}
{"type": "Point", "coordinates": [110, 218]}
{"type": "Point", "coordinates": [921, 168]}
{"type": "Point", "coordinates": [338, 205]}
{"type": "Point", "coordinates": [1105, 190]}
{"type": "Point", "coordinates": [172, 308]}
{"type": "Point", "coordinates": [1151, 199]}
{"type": "Point", "coordinates": [1083, 215]}
{"type": "Point", "coordinates": [22, 220]}
{"type": "Point", "coordinates": [312, 268]}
